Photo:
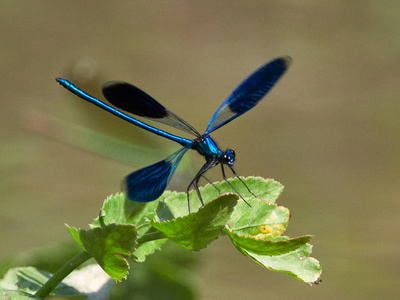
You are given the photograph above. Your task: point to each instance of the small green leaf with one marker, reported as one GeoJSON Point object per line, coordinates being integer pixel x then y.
{"type": "Point", "coordinates": [22, 283]}
{"type": "Point", "coordinates": [110, 245]}
{"type": "Point", "coordinates": [261, 220]}
{"type": "Point", "coordinates": [196, 230]}
{"type": "Point", "coordinates": [269, 246]}
{"type": "Point", "coordinates": [296, 263]}
{"type": "Point", "coordinates": [119, 210]}
{"type": "Point", "coordinates": [75, 233]}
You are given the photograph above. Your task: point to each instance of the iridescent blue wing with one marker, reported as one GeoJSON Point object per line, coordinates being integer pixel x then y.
{"type": "Point", "coordinates": [77, 91]}
{"type": "Point", "coordinates": [149, 183]}
{"type": "Point", "coordinates": [249, 92]}
{"type": "Point", "coordinates": [133, 100]}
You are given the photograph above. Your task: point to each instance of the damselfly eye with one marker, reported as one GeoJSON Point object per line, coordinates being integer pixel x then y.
{"type": "Point", "coordinates": [228, 157]}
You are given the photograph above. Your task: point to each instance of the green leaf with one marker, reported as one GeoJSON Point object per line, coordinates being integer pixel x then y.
{"type": "Point", "coordinates": [75, 233]}
{"type": "Point", "coordinates": [196, 230]}
{"type": "Point", "coordinates": [262, 220]}
{"type": "Point", "coordinates": [255, 230]}
{"type": "Point", "coordinates": [16, 295]}
{"type": "Point", "coordinates": [119, 210]}
{"type": "Point", "coordinates": [266, 189]}
{"type": "Point", "coordinates": [110, 245]}
{"type": "Point", "coordinates": [22, 283]}
{"type": "Point", "coordinates": [177, 204]}
{"type": "Point", "coordinates": [270, 246]}
{"type": "Point", "coordinates": [146, 249]}
{"type": "Point", "coordinates": [296, 263]}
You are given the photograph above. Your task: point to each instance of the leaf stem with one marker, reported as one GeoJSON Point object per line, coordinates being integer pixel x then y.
{"type": "Point", "coordinates": [63, 272]}
{"type": "Point", "coordinates": [152, 236]}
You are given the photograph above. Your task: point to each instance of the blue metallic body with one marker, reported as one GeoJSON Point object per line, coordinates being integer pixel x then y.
{"type": "Point", "coordinates": [149, 183]}
{"type": "Point", "coordinates": [206, 146]}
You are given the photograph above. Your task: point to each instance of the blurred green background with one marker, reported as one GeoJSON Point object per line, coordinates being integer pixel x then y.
{"type": "Point", "coordinates": [329, 131]}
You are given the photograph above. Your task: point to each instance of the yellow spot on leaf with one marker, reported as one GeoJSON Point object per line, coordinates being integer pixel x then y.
{"type": "Point", "coordinates": [274, 230]}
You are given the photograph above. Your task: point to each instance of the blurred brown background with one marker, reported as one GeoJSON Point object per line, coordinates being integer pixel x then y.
{"type": "Point", "coordinates": [329, 131]}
